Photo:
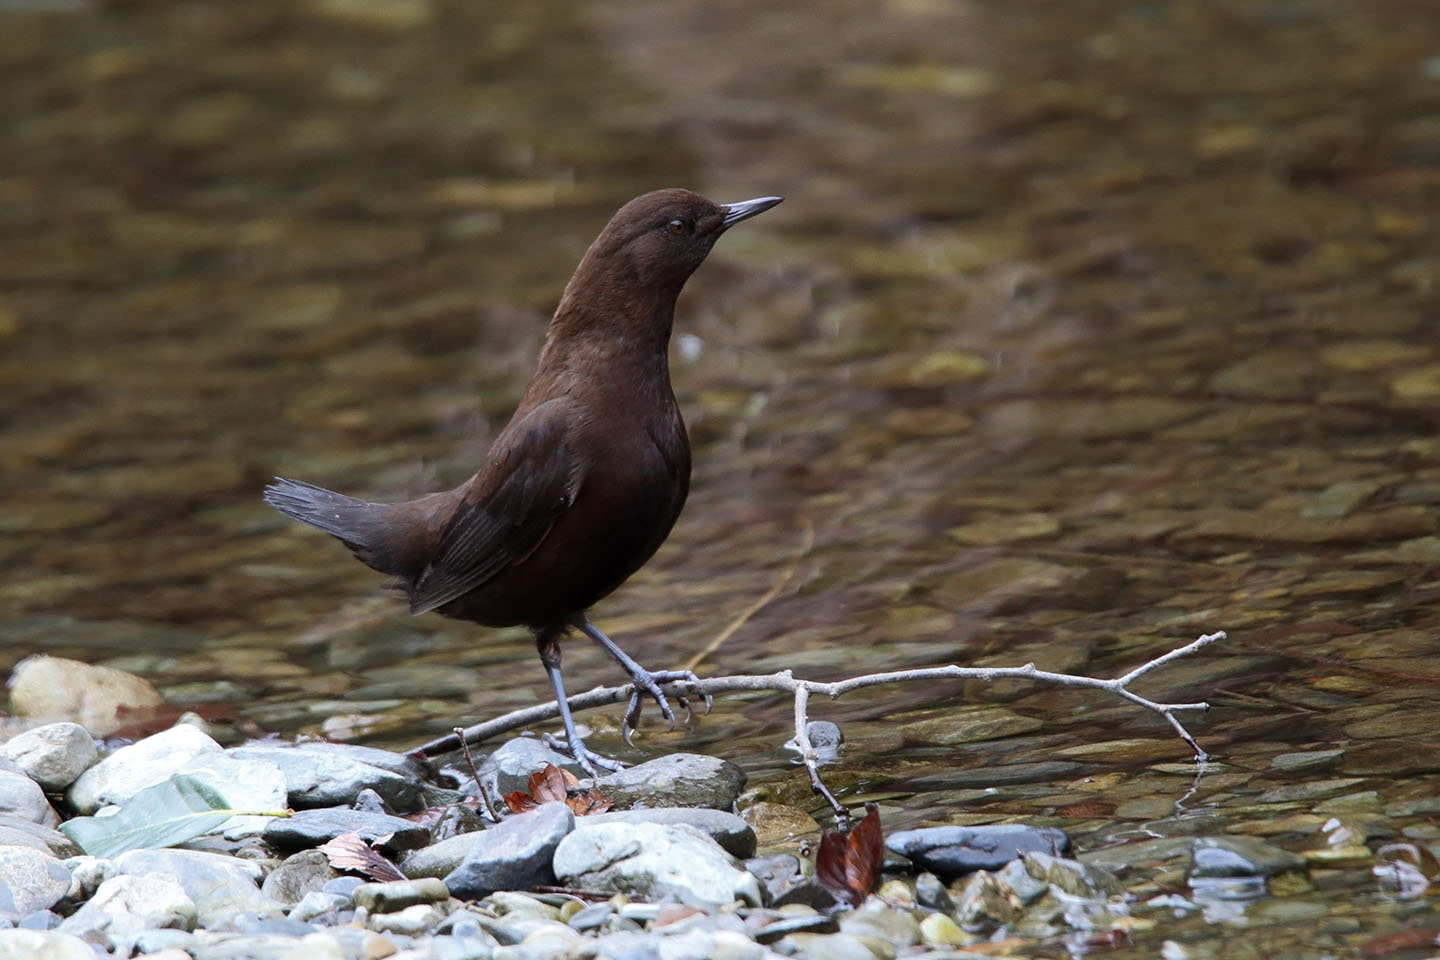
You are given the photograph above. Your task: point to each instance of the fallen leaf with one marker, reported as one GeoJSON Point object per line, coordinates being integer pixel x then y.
{"type": "Point", "coordinates": [349, 851]}
{"type": "Point", "coordinates": [848, 862]}
{"type": "Point", "coordinates": [553, 784]}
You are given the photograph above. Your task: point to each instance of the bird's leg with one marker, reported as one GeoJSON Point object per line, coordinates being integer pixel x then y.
{"type": "Point", "coordinates": [644, 681]}
{"type": "Point", "coordinates": [548, 643]}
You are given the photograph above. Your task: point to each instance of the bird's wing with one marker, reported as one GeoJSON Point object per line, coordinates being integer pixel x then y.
{"type": "Point", "coordinates": [509, 509]}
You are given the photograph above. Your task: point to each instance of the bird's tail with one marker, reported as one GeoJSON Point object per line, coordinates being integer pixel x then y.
{"type": "Point", "coordinates": [356, 523]}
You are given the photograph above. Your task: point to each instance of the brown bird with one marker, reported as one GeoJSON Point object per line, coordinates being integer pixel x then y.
{"type": "Point", "coordinates": [585, 481]}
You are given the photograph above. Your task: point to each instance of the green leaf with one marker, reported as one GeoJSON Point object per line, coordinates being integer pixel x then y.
{"type": "Point", "coordinates": [168, 813]}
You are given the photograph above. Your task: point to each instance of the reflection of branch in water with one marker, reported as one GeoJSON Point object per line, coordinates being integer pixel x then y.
{"type": "Point", "coordinates": [801, 690]}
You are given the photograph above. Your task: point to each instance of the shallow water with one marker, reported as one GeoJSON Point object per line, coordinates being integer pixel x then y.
{"type": "Point", "coordinates": [1084, 329]}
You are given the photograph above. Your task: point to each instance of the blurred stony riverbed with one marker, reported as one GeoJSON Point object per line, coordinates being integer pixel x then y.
{"type": "Point", "coordinates": [1085, 329]}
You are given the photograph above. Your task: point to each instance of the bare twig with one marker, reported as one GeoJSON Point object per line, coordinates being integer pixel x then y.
{"type": "Point", "coordinates": [802, 690]}
{"type": "Point", "coordinates": [479, 787]}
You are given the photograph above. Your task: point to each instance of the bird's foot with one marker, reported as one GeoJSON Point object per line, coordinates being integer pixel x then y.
{"type": "Point", "coordinates": [648, 682]}
{"type": "Point", "coordinates": [591, 762]}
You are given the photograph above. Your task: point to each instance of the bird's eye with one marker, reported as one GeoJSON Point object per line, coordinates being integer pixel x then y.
{"type": "Point", "coordinates": [678, 227]}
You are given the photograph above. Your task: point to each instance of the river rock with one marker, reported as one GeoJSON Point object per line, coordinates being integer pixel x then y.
{"type": "Point", "coordinates": [125, 907]}
{"type": "Point", "coordinates": [219, 886]}
{"type": "Point", "coordinates": [22, 797]}
{"type": "Point", "coordinates": [300, 874]}
{"type": "Point", "coordinates": [30, 880]}
{"type": "Point", "coordinates": [43, 945]}
{"type": "Point", "coordinates": [54, 688]}
{"type": "Point", "coordinates": [142, 764]}
{"type": "Point", "coordinates": [311, 828]}
{"type": "Point", "coordinates": [951, 852]}
{"type": "Point", "coordinates": [1241, 856]}
{"type": "Point", "coordinates": [441, 857]}
{"type": "Point", "coordinates": [677, 780]}
{"type": "Point", "coordinates": [52, 755]}
{"type": "Point", "coordinates": [17, 831]}
{"type": "Point", "coordinates": [726, 829]}
{"type": "Point", "coordinates": [396, 895]}
{"type": "Point", "coordinates": [654, 860]}
{"type": "Point", "coordinates": [508, 769]}
{"type": "Point", "coordinates": [320, 777]}
{"type": "Point", "coordinates": [515, 854]}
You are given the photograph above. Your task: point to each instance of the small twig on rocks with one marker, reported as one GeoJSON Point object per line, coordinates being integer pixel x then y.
{"type": "Point", "coordinates": [479, 787]}
{"type": "Point", "coordinates": [802, 690]}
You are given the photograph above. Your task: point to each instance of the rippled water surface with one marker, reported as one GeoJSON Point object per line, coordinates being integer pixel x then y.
{"type": "Point", "coordinates": [1084, 329]}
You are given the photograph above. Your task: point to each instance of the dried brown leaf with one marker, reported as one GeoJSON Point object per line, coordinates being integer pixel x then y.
{"type": "Point", "coordinates": [848, 862]}
{"type": "Point", "coordinates": [551, 784]}
{"type": "Point", "coordinates": [349, 851]}
{"type": "Point", "coordinates": [554, 784]}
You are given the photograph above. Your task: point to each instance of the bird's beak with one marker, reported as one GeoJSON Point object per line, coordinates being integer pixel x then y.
{"type": "Point", "coordinates": [745, 209]}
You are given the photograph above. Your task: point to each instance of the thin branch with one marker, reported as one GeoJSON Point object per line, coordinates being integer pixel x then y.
{"type": "Point", "coordinates": [802, 690]}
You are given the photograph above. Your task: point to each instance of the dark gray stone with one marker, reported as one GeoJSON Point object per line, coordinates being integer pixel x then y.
{"type": "Point", "coordinates": [311, 828]}
{"type": "Point", "coordinates": [951, 852]}
{"type": "Point", "coordinates": [677, 780]}
{"type": "Point", "coordinates": [515, 854]}
{"type": "Point", "coordinates": [815, 923]}
{"type": "Point", "coordinates": [726, 829]}
{"type": "Point", "coordinates": [343, 886]}
{"type": "Point", "coordinates": [810, 894]}
{"type": "Point", "coordinates": [931, 893]}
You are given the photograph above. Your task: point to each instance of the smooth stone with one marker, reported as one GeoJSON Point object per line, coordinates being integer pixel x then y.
{"type": "Point", "coordinates": [23, 798]}
{"type": "Point", "coordinates": [1237, 856]}
{"type": "Point", "coordinates": [142, 764]}
{"type": "Point", "coordinates": [31, 880]}
{"type": "Point", "coordinates": [810, 894]}
{"type": "Point", "coordinates": [654, 860]}
{"type": "Point", "coordinates": [52, 755]}
{"type": "Point", "coordinates": [125, 907]}
{"type": "Point", "coordinates": [344, 886]}
{"type": "Point", "coordinates": [441, 857]}
{"type": "Point", "coordinates": [318, 903]}
{"type": "Point", "coordinates": [508, 769]}
{"type": "Point", "coordinates": [938, 930]}
{"type": "Point", "coordinates": [983, 903]}
{"type": "Point", "coordinates": [220, 886]}
{"type": "Point", "coordinates": [311, 828]}
{"type": "Point", "coordinates": [41, 920]}
{"type": "Point", "coordinates": [244, 785]}
{"type": "Point", "coordinates": [1015, 877]}
{"type": "Point", "coordinates": [877, 918]}
{"type": "Point", "coordinates": [17, 831]}
{"type": "Point", "coordinates": [396, 895]}
{"type": "Point", "coordinates": [328, 945]}
{"type": "Point", "coordinates": [954, 851]}
{"type": "Point", "coordinates": [776, 873]}
{"type": "Point", "coordinates": [54, 688]}
{"type": "Point", "coordinates": [930, 892]}
{"type": "Point", "coordinates": [43, 945]}
{"type": "Point", "coordinates": [515, 854]}
{"type": "Point", "coordinates": [676, 780]}
{"type": "Point", "coordinates": [412, 921]}
{"type": "Point", "coordinates": [825, 946]}
{"type": "Point", "coordinates": [397, 763]}
{"type": "Point", "coordinates": [318, 777]}
{"type": "Point", "coordinates": [726, 829]}
{"type": "Point", "coordinates": [812, 923]}
{"type": "Point", "coordinates": [298, 876]}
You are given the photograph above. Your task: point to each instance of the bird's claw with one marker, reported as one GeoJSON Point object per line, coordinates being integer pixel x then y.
{"type": "Point", "coordinates": [648, 683]}
{"type": "Point", "coordinates": [589, 761]}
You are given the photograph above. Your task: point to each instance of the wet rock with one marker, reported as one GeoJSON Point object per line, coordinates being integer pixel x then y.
{"type": "Point", "coordinates": [22, 797]}
{"type": "Point", "coordinates": [809, 923]}
{"type": "Point", "coordinates": [508, 769]}
{"type": "Point", "coordinates": [1015, 876]}
{"type": "Point", "coordinates": [17, 831]}
{"type": "Point", "coordinates": [54, 688]}
{"type": "Point", "coordinates": [319, 776]}
{"type": "Point", "coordinates": [825, 946]}
{"type": "Point", "coordinates": [30, 880]}
{"type": "Point", "coordinates": [219, 887]}
{"type": "Point", "coordinates": [52, 755]}
{"type": "Point", "coordinates": [938, 930]}
{"type": "Point", "coordinates": [1241, 856]}
{"type": "Point", "coordinates": [778, 822]}
{"type": "Point", "coordinates": [726, 829]}
{"type": "Point", "coordinates": [515, 854]}
{"type": "Point", "coordinates": [983, 903]}
{"type": "Point", "coordinates": [300, 874]}
{"type": "Point", "coordinates": [1309, 760]}
{"type": "Point", "coordinates": [930, 892]}
{"type": "Point", "coordinates": [43, 945]}
{"type": "Point", "coordinates": [397, 895]}
{"type": "Point", "coordinates": [142, 764]}
{"type": "Point", "coordinates": [676, 780]}
{"type": "Point", "coordinates": [878, 919]}
{"type": "Point", "coordinates": [807, 893]}
{"type": "Point", "coordinates": [311, 828]}
{"type": "Point", "coordinates": [125, 907]}
{"type": "Point", "coordinates": [1140, 853]}
{"type": "Point", "coordinates": [952, 851]}
{"type": "Point", "coordinates": [1073, 877]}
{"type": "Point", "coordinates": [655, 861]}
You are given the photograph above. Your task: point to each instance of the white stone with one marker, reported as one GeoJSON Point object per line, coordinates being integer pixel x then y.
{"type": "Point", "coordinates": [142, 764]}
{"type": "Point", "coordinates": [655, 860]}
{"type": "Point", "coordinates": [52, 755]}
